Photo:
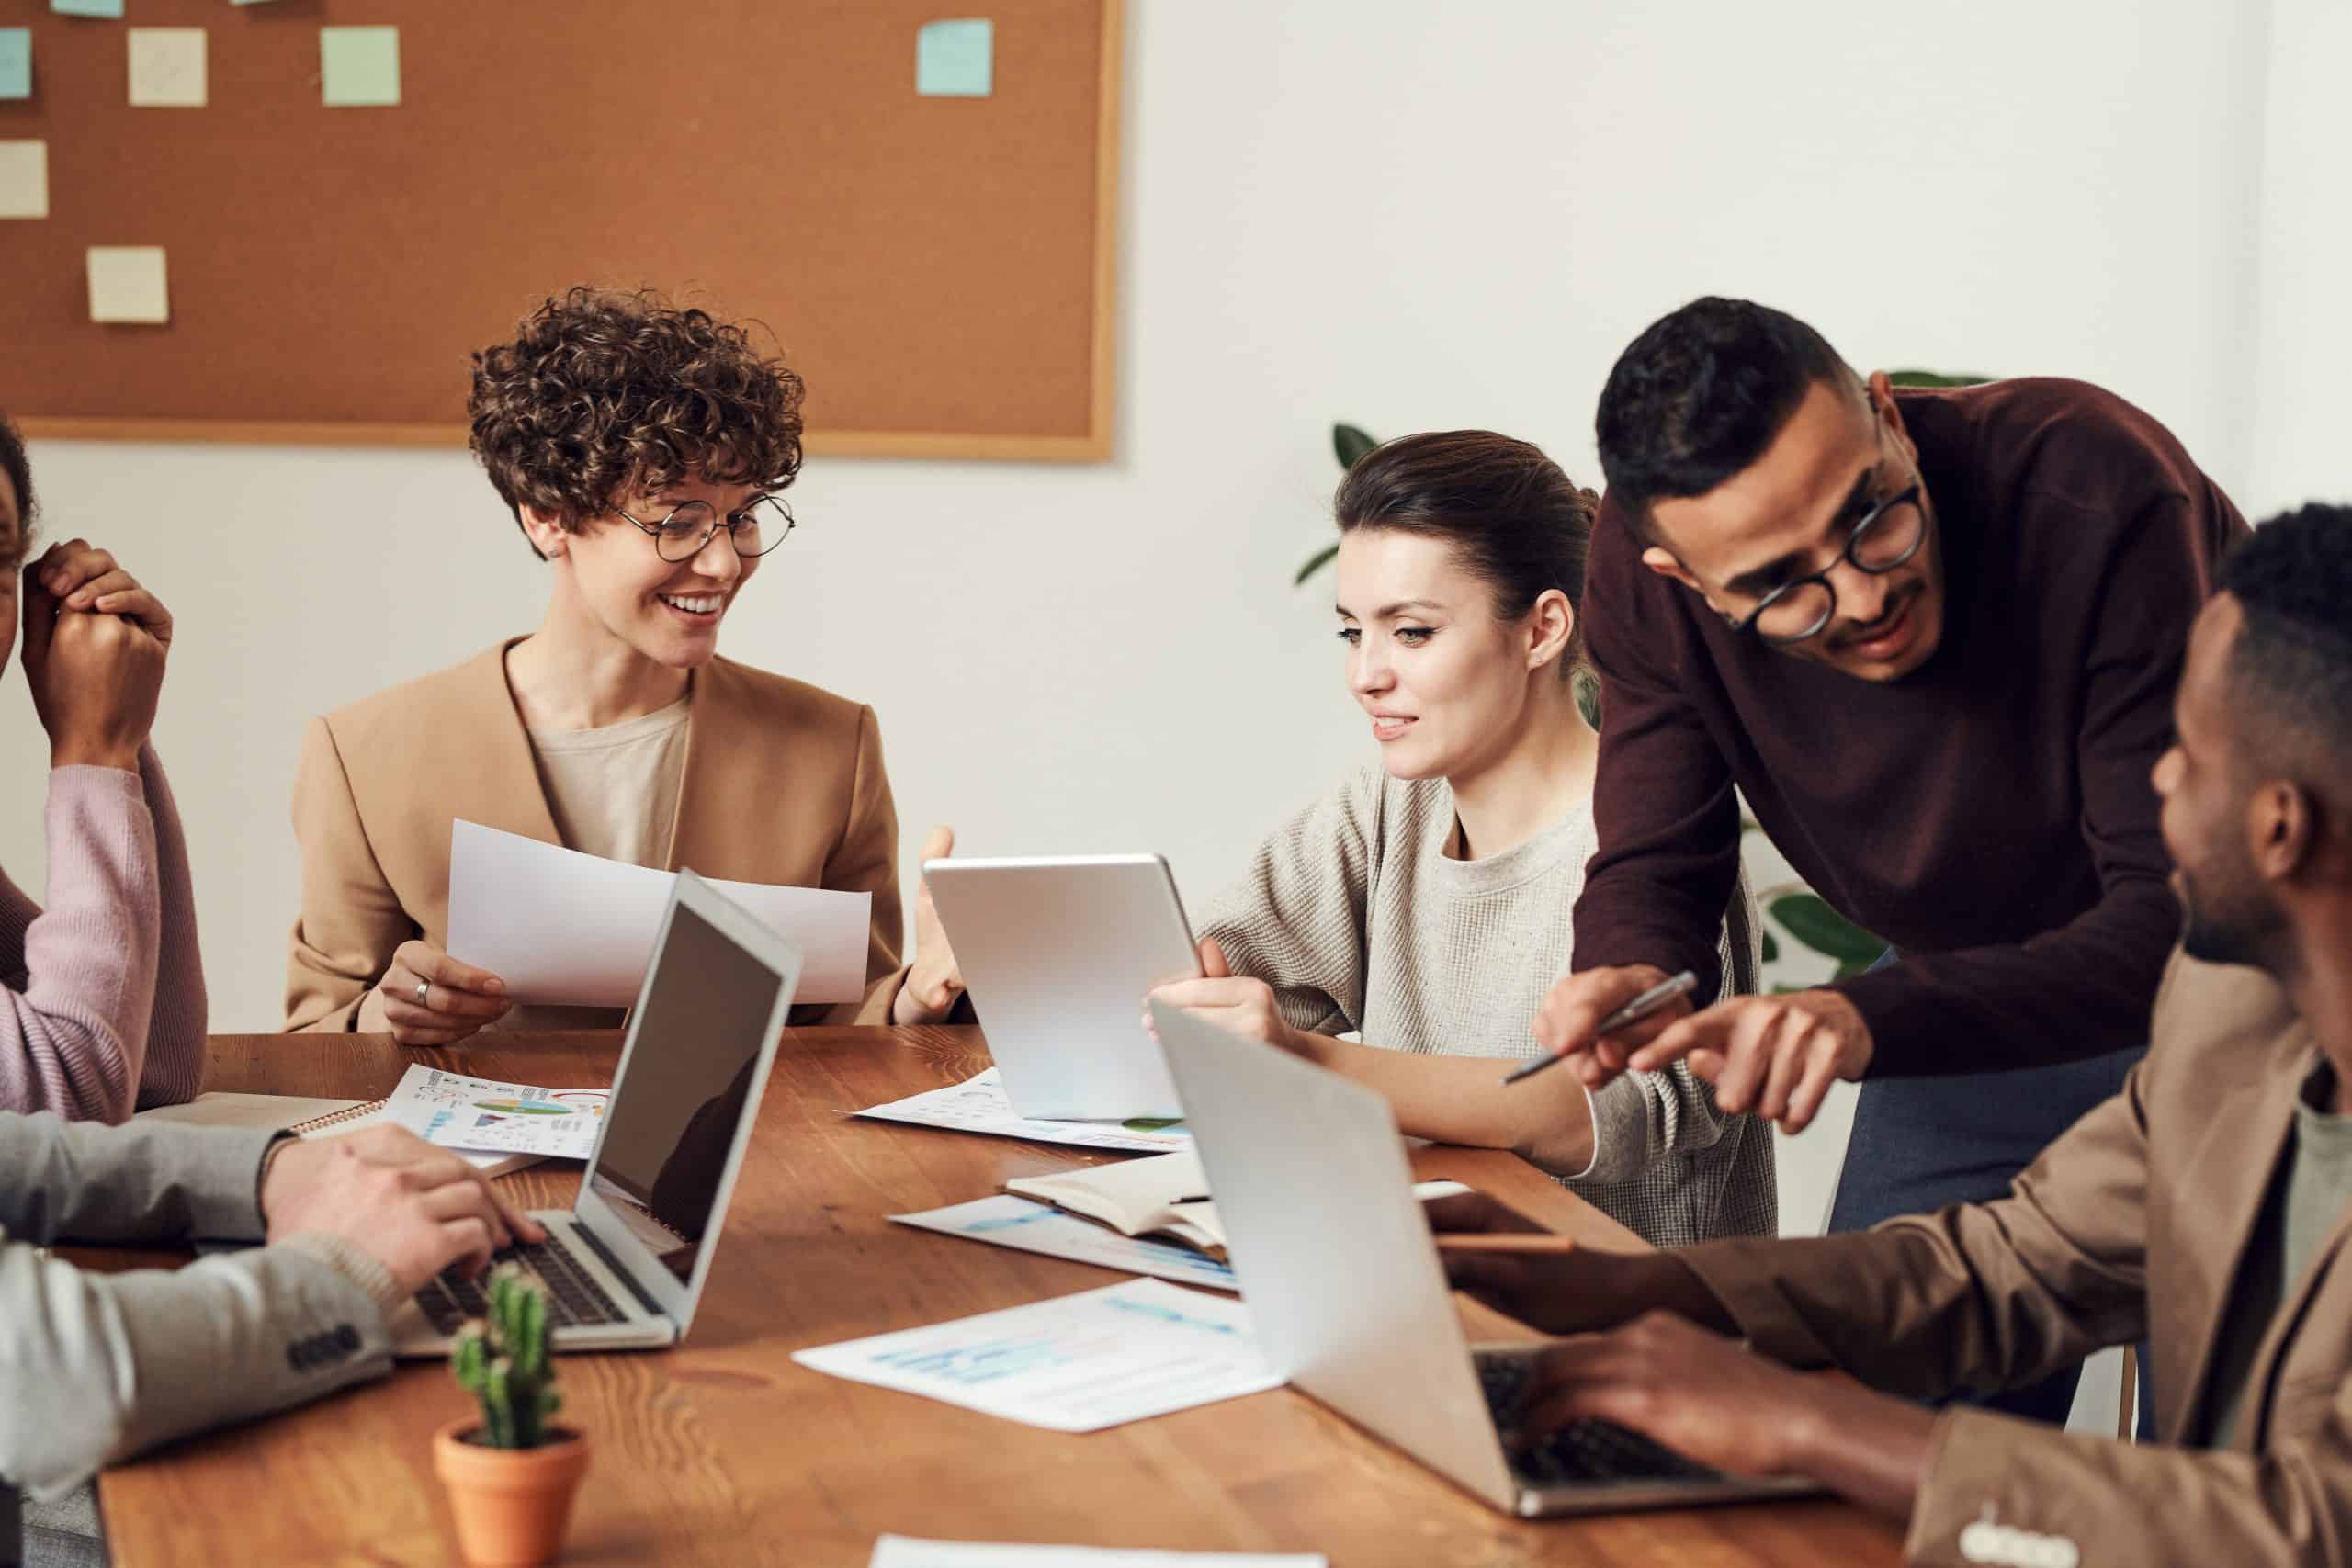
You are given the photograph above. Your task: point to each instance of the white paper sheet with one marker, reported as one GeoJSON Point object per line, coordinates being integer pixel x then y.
{"type": "Point", "coordinates": [905, 1552]}
{"type": "Point", "coordinates": [979, 1105]}
{"type": "Point", "coordinates": [490, 1116]}
{"type": "Point", "coordinates": [1073, 1364]}
{"type": "Point", "coordinates": [571, 929]}
{"type": "Point", "coordinates": [1008, 1221]}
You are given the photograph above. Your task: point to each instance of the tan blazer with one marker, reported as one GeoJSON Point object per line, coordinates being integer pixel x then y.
{"type": "Point", "coordinates": [783, 784]}
{"type": "Point", "coordinates": [2135, 1222]}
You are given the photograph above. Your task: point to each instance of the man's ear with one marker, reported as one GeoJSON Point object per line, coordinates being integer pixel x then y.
{"type": "Point", "coordinates": [1889, 413]}
{"type": "Point", "coordinates": [2281, 829]}
{"type": "Point", "coordinates": [547, 533]}
{"type": "Point", "coordinates": [1664, 562]}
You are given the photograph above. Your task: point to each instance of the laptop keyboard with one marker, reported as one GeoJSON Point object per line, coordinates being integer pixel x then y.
{"type": "Point", "coordinates": [1582, 1451]}
{"type": "Point", "coordinates": [574, 1298]}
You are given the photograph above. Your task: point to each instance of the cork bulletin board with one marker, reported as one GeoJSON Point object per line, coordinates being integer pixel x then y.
{"type": "Point", "coordinates": [939, 268]}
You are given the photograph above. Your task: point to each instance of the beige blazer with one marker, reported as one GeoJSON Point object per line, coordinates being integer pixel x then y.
{"type": "Point", "coordinates": [783, 784]}
{"type": "Point", "coordinates": [2135, 1222]}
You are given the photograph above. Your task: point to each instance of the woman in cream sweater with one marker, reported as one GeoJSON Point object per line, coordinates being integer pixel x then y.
{"type": "Point", "coordinates": [1424, 904]}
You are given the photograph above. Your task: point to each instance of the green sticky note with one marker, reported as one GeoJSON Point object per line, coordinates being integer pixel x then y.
{"type": "Point", "coordinates": [87, 8]}
{"type": "Point", "coordinates": [15, 62]}
{"type": "Point", "coordinates": [955, 59]}
{"type": "Point", "coordinates": [360, 67]}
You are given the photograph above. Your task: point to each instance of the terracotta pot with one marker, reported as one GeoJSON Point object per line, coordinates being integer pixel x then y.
{"type": "Point", "coordinates": [511, 1504]}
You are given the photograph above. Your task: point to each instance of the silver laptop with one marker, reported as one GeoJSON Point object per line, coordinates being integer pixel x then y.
{"type": "Point", "coordinates": [1058, 953]}
{"type": "Point", "coordinates": [625, 1265]}
{"type": "Point", "coordinates": [1349, 1304]}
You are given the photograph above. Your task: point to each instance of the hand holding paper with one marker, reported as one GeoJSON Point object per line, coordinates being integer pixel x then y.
{"type": "Point", "coordinates": [571, 929]}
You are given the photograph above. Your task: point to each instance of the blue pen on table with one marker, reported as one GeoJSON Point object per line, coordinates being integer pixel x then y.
{"type": "Point", "coordinates": [1640, 1007]}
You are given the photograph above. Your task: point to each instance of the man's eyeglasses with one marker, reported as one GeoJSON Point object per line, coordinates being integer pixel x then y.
{"type": "Point", "coordinates": [1889, 534]}
{"type": "Point", "coordinates": [754, 531]}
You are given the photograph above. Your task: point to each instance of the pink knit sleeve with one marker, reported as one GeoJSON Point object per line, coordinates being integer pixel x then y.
{"type": "Point", "coordinates": [173, 1071]}
{"type": "Point", "coordinates": [74, 1035]}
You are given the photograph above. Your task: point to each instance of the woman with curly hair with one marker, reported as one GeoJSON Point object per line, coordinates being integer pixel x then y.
{"type": "Point", "coordinates": [643, 451]}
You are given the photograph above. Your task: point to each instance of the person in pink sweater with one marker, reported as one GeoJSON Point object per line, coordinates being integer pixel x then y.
{"type": "Point", "coordinates": [102, 991]}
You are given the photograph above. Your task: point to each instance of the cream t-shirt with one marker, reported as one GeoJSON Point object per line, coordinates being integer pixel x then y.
{"type": "Point", "coordinates": [613, 792]}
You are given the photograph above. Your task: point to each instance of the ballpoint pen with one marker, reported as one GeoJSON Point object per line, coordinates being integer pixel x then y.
{"type": "Point", "coordinates": [1640, 1007]}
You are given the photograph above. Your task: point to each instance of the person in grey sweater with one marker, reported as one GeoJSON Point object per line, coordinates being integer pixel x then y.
{"type": "Point", "coordinates": [94, 1368]}
{"type": "Point", "coordinates": [1425, 905]}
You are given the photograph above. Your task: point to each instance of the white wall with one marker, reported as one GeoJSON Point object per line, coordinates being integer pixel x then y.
{"type": "Point", "coordinates": [1407, 216]}
{"type": "Point", "coordinates": [2302, 389]}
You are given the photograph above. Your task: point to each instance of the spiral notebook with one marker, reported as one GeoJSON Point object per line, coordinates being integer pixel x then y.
{"type": "Point", "coordinates": [307, 1116]}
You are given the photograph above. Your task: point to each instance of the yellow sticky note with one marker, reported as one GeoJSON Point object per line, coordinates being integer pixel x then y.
{"type": "Point", "coordinates": [167, 68]}
{"type": "Point", "coordinates": [24, 179]}
{"type": "Point", "coordinates": [127, 284]}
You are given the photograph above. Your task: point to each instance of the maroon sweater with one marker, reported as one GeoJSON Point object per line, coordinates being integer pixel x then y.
{"type": "Point", "coordinates": [1991, 814]}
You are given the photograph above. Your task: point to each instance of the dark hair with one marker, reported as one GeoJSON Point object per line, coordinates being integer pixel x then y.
{"type": "Point", "coordinates": [1515, 521]}
{"type": "Point", "coordinates": [1700, 394]}
{"type": "Point", "coordinates": [602, 393]}
{"type": "Point", "coordinates": [2291, 665]}
{"type": "Point", "coordinates": [19, 471]}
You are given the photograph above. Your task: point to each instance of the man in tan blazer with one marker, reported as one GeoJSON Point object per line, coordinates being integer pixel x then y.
{"type": "Point", "coordinates": [2206, 1207]}
{"type": "Point", "coordinates": [626, 436]}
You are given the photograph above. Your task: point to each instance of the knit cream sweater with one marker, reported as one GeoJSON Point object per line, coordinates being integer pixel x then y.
{"type": "Point", "coordinates": [1354, 913]}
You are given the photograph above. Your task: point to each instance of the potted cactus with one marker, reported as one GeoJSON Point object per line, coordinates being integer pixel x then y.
{"type": "Point", "coordinates": [509, 1475]}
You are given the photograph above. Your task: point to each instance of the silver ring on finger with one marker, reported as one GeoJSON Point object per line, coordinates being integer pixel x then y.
{"type": "Point", "coordinates": [422, 987]}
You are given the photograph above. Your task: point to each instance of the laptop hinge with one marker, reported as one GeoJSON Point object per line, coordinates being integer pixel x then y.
{"type": "Point", "coordinates": [652, 1308]}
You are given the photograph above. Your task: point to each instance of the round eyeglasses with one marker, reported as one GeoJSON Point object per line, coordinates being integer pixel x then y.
{"type": "Point", "coordinates": [754, 531]}
{"type": "Point", "coordinates": [1890, 535]}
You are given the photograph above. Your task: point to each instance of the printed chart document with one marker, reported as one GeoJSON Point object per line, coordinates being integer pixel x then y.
{"type": "Point", "coordinates": [571, 929]}
{"type": "Point", "coordinates": [495, 1126]}
{"type": "Point", "coordinates": [488, 1116]}
{"type": "Point", "coordinates": [1073, 1364]}
{"type": "Point", "coordinates": [979, 1105]}
{"type": "Point", "coordinates": [1009, 1221]}
{"type": "Point", "coordinates": [905, 1552]}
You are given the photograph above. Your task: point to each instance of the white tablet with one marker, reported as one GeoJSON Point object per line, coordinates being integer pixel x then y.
{"type": "Point", "coordinates": [1058, 951]}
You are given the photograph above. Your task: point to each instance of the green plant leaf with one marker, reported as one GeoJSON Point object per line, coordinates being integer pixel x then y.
{"type": "Point", "coordinates": [1349, 444]}
{"type": "Point", "coordinates": [1771, 947]}
{"type": "Point", "coordinates": [1936, 378]}
{"type": "Point", "coordinates": [1314, 563]}
{"type": "Point", "coordinates": [1807, 917]}
{"type": "Point", "coordinates": [1585, 686]}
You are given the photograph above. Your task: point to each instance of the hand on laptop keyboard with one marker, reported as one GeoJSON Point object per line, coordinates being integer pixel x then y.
{"type": "Point", "coordinates": [414, 1208]}
{"type": "Point", "coordinates": [1581, 1450]}
{"type": "Point", "coordinates": [573, 1296]}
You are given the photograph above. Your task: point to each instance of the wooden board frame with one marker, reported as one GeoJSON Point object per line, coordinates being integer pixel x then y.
{"type": "Point", "coordinates": [1096, 446]}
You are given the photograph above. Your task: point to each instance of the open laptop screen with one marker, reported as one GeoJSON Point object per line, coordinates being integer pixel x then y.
{"type": "Point", "coordinates": [672, 1121]}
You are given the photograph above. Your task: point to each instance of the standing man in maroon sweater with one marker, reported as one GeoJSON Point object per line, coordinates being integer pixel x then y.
{"type": "Point", "coordinates": [1932, 637]}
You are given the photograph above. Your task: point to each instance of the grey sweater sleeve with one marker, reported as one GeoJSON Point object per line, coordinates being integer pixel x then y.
{"type": "Point", "coordinates": [94, 1368]}
{"type": "Point", "coordinates": [1638, 1118]}
{"type": "Point", "coordinates": [1296, 920]}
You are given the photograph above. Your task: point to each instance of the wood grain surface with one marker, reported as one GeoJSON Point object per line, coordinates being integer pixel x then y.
{"type": "Point", "coordinates": [723, 1452]}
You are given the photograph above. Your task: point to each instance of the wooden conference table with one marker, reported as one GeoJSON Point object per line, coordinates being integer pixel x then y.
{"type": "Point", "coordinates": [724, 1451]}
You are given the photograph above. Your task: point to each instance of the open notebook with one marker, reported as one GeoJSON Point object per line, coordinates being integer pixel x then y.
{"type": "Point", "coordinates": [1166, 1195]}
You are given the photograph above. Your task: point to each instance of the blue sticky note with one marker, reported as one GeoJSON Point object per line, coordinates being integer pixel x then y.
{"type": "Point", "coordinates": [15, 62]}
{"type": "Point", "coordinates": [360, 67]}
{"type": "Point", "coordinates": [87, 8]}
{"type": "Point", "coordinates": [955, 59]}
